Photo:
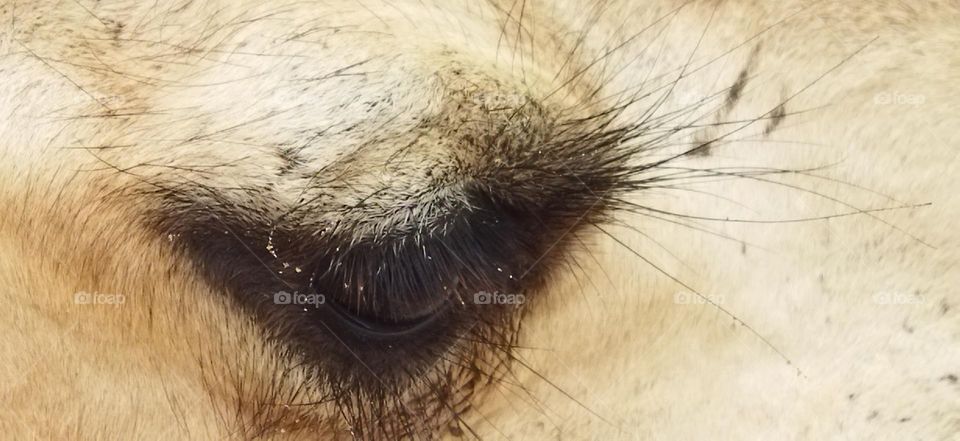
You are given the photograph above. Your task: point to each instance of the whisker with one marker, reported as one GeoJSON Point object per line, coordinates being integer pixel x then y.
{"type": "Point", "coordinates": [704, 298]}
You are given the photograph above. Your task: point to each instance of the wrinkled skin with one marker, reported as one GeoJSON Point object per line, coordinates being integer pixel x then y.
{"type": "Point", "coordinates": [744, 218]}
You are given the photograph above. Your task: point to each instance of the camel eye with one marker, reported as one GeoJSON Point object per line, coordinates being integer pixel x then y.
{"type": "Point", "coordinates": [407, 266]}
{"type": "Point", "coordinates": [392, 284]}
{"type": "Point", "coordinates": [416, 289]}
{"type": "Point", "coordinates": [378, 327]}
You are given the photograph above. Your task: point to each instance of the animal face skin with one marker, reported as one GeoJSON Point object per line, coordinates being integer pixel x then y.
{"type": "Point", "coordinates": [459, 219]}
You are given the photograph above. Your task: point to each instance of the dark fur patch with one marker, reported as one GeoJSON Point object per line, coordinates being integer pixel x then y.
{"type": "Point", "coordinates": [736, 90]}
{"type": "Point", "coordinates": [292, 160]}
{"type": "Point", "coordinates": [776, 117]}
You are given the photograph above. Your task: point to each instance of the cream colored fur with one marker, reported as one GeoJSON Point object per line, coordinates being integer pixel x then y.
{"type": "Point", "coordinates": [832, 326]}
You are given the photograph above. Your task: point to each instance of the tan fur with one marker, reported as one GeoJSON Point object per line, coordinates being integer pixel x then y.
{"type": "Point", "coordinates": [844, 327]}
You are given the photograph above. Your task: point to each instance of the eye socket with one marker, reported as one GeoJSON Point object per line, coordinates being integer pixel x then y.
{"type": "Point", "coordinates": [375, 327]}
{"type": "Point", "coordinates": [394, 305]}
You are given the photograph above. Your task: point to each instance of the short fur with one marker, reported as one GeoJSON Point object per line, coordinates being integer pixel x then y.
{"type": "Point", "coordinates": [726, 219]}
